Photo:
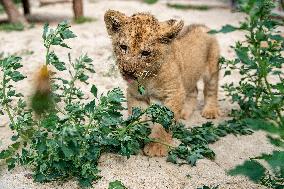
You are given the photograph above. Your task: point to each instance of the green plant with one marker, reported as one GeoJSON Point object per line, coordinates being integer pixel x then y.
{"type": "Point", "coordinates": [1, 9]}
{"type": "Point", "coordinates": [83, 19]}
{"type": "Point", "coordinates": [8, 27]}
{"type": "Point", "coordinates": [195, 142]}
{"type": "Point", "coordinates": [260, 91]}
{"type": "Point", "coordinates": [68, 141]}
{"type": "Point", "coordinates": [65, 136]}
{"type": "Point", "coordinates": [258, 61]}
{"type": "Point", "coordinates": [187, 6]}
{"type": "Point", "coordinates": [116, 185]}
{"type": "Point", "coordinates": [272, 177]}
{"type": "Point", "coordinates": [150, 1]}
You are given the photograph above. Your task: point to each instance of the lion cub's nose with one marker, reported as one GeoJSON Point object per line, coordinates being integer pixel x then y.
{"type": "Point", "coordinates": [128, 74]}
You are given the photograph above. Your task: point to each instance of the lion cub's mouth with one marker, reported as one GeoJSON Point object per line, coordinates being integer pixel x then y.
{"type": "Point", "coordinates": [129, 78]}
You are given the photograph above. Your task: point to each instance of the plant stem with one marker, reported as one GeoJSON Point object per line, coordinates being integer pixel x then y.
{"type": "Point", "coordinates": [47, 54]}
{"type": "Point", "coordinates": [271, 96]}
{"type": "Point", "coordinates": [6, 105]}
{"type": "Point", "coordinates": [71, 84]}
{"type": "Point", "coordinates": [161, 142]}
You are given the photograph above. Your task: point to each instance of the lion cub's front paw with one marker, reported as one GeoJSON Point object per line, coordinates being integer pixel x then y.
{"type": "Point", "coordinates": [211, 112]}
{"type": "Point", "coordinates": [155, 149]}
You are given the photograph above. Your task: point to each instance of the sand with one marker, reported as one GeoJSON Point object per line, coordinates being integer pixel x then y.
{"type": "Point", "coordinates": [137, 172]}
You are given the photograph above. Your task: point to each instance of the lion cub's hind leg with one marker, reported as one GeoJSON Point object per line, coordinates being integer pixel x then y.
{"type": "Point", "coordinates": [190, 104]}
{"type": "Point", "coordinates": [211, 77]}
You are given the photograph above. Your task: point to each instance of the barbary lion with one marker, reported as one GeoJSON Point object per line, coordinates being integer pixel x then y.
{"type": "Point", "coordinates": [167, 59]}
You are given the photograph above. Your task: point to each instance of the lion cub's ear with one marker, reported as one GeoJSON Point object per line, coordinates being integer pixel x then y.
{"type": "Point", "coordinates": [114, 20]}
{"type": "Point", "coordinates": [171, 29]}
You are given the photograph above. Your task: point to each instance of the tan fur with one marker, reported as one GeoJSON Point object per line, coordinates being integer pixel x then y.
{"type": "Point", "coordinates": [178, 59]}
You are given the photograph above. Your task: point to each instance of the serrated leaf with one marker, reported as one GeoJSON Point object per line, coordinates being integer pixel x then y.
{"type": "Point", "coordinates": [252, 169]}
{"type": "Point", "coordinates": [275, 160]}
{"type": "Point", "coordinates": [54, 60]}
{"type": "Point", "coordinates": [11, 162]}
{"type": "Point", "coordinates": [192, 158]}
{"type": "Point", "coordinates": [65, 45]}
{"type": "Point", "coordinates": [225, 29]}
{"type": "Point", "coordinates": [172, 158]}
{"type": "Point", "coordinates": [4, 154]}
{"type": "Point", "coordinates": [17, 76]}
{"type": "Point", "coordinates": [68, 152]}
{"type": "Point", "coordinates": [56, 41]}
{"type": "Point", "coordinates": [276, 141]}
{"type": "Point", "coordinates": [116, 185]}
{"type": "Point", "coordinates": [94, 91]}
{"type": "Point", "coordinates": [87, 59]}
{"type": "Point", "coordinates": [67, 34]}
{"type": "Point", "coordinates": [82, 77]}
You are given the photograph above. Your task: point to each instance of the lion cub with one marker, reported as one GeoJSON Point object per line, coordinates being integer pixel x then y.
{"type": "Point", "coordinates": [168, 60]}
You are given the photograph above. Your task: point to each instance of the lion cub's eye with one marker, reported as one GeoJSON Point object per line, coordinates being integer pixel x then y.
{"type": "Point", "coordinates": [145, 53]}
{"type": "Point", "coordinates": [123, 48]}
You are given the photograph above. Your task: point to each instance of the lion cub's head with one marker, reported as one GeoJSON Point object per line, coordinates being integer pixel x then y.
{"type": "Point", "coordinates": [140, 42]}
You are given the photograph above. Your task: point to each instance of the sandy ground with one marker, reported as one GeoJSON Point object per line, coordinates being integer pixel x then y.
{"type": "Point", "coordinates": [138, 172]}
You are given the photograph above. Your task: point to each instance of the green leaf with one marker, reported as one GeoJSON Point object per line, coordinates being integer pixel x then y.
{"type": "Point", "coordinates": [56, 41]}
{"type": "Point", "coordinates": [225, 29]}
{"type": "Point", "coordinates": [11, 162]}
{"type": "Point", "coordinates": [150, 1]}
{"type": "Point", "coordinates": [54, 60]}
{"type": "Point", "coordinates": [277, 37]}
{"type": "Point", "coordinates": [87, 59]}
{"type": "Point", "coordinates": [141, 89]}
{"type": "Point", "coordinates": [242, 54]}
{"type": "Point", "coordinates": [16, 146]}
{"type": "Point", "coordinates": [192, 158]}
{"type": "Point", "coordinates": [65, 45]}
{"type": "Point", "coordinates": [227, 72]}
{"type": "Point", "coordinates": [68, 152]}
{"type": "Point", "coordinates": [172, 158]}
{"type": "Point", "coordinates": [8, 27]}
{"type": "Point", "coordinates": [17, 76]}
{"type": "Point", "coordinates": [94, 91]}
{"type": "Point", "coordinates": [14, 137]}
{"type": "Point", "coordinates": [252, 169]}
{"type": "Point", "coordinates": [275, 160]}
{"type": "Point", "coordinates": [276, 141]}
{"type": "Point", "coordinates": [82, 77]}
{"type": "Point", "coordinates": [259, 124]}
{"type": "Point", "coordinates": [183, 6]}
{"type": "Point", "coordinates": [67, 34]}
{"type": "Point", "coordinates": [85, 182]}
{"type": "Point", "coordinates": [116, 185]}
{"type": "Point", "coordinates": [4, 154]}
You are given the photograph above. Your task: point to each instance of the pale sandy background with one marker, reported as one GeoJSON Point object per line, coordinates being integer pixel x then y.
{"type": "Point", "coordinates": [138, 172]}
